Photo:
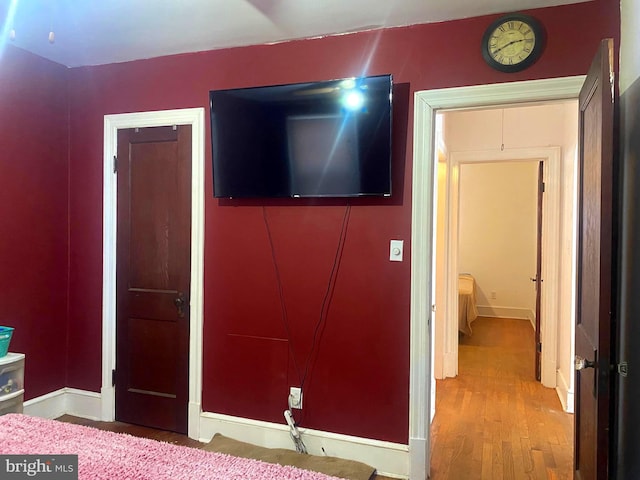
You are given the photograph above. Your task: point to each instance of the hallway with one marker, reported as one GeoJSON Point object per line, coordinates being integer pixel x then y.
{"type": "Point", "coordinates": [493, 420]}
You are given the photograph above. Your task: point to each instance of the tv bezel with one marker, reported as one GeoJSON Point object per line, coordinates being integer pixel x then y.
{"type": "Point", "coordinates": [316, 84]}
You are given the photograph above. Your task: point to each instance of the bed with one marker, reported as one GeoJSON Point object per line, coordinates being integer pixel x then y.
{"type": "Point", "coordinates": [467, 310]}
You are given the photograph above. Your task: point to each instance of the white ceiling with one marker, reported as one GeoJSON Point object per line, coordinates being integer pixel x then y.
{"type": "Point", "coordinates": [93, 32]}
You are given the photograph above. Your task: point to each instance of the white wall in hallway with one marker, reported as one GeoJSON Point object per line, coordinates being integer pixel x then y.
{"type": "Point", "coordinates": [629, 43]}
{"type": "Point", "coordinates": [497, 232]}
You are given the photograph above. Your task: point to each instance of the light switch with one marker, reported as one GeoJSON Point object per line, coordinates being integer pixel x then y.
{"type": "Point", "coordinates": [395, 250]}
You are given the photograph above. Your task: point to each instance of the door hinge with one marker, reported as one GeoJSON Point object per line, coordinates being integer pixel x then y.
{"type": "Point", "coordinates": [113, 377]}
{"type": "Point", "coordinates": [623, 369]}
{"type": "Point", "coordinates": [115, 164]}
{"type": "Point", "coordinates": [543, 187]}
{"type": "Point", "coordinates": [539, 347]}
{"type": "Point", "coordinates": [612, 83]}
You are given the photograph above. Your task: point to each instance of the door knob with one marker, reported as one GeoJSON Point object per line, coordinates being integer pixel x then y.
{"type": "Point", "coordinates": [582, 363]}
{"type": "Point", "coordinates": [179, 303]}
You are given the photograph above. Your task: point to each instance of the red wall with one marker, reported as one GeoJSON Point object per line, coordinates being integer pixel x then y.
{"type": "Point", "coordinates": [358, 383]}
{"type": "Point", "coordinates": [33, 214]}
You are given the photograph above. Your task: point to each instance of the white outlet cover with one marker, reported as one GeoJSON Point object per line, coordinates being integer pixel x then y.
{"type": "Point", "coordinates": [396, 249]}
{"type": "Point", "coordinates": [295, 397]}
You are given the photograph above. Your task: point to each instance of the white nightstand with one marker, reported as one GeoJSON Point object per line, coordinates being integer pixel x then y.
{"type": "Point", "coordinates": [11, 383]}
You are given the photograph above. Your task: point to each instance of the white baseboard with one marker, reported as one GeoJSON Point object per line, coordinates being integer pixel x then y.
{"type": "Point", "coordinates": [505, 312]}
{"type": "Point", "coordinates": [108, 409]}
{"type": "Point", "coordinates": [195, 410]}
{"type": "Point", "coordinates": [564, 393]}
{"type": "Point", "coordinates": [532, 319]}
{"type": "Point", "coordinates": [450, 365]}
{"type": "Point", "coordinates": [71, 401]}
{"type": "Point", "coordinates": [389, 459]}
{"type": "Point", "coordinates": [420, 464]}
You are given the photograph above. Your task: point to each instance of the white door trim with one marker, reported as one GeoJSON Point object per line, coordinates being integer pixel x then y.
{"type": "Point", "coordinates": [188, 116]}
{"type": "Point", "coordinates": [426, 103]}
{"type": "Point", "coordinates": [551, 251]}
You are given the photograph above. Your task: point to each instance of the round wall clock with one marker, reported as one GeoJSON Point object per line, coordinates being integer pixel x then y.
{"type": "Point", "coordinates": [513, 42]}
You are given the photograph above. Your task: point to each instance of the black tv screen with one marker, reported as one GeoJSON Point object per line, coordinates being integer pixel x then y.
{"type": "Point", "coordinates": [318, 139]}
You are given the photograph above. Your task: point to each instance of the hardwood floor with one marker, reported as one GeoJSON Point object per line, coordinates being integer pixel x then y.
{"type": "Point", "coordinates": [494, 421]}
{"type": "Point", "coordinates": [134, 430]}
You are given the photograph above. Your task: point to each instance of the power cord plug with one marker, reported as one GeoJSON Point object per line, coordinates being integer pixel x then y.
{"type": "Point", "coordinates": [294, 432]}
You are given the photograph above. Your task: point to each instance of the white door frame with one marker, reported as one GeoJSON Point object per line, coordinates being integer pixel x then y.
{"type": "Point", "coordinates": [112, 123]}
{"type": "Point", "coordinates": [426, 103]}
{"type": "Point", "coordinates": [551, 250]}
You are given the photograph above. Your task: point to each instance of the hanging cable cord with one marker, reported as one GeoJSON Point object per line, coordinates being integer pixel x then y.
{"type": "Point", "coordinates": [319, 327]}
{"type": "Point", "coordinates": [283, 307]}
{"type": "Point", "coordinates": [324, 309]}
{"type": "Point", "coordinates": [328, 295]}
{"type": "Point", "coordinates": [294, 433]}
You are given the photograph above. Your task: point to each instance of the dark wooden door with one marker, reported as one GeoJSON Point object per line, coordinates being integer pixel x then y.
{"type": "Point", "coordinates": [153, 276]}
{"type": "Point", "coordinates": [594, 299]}
{"type": "Point", "coordinates": [538, 278]}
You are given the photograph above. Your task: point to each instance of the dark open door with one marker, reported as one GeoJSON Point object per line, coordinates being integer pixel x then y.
{"type": "Point", "coordinates": [153, 276]}
{"type": "Point", "coordinates": [594, 282]}
{"type": "Point", "coordinates": [538, 277]}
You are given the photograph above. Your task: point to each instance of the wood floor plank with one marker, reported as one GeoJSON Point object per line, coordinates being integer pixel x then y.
{"type": "Point", "coordinates": [527, 457]}
{"type": "Point", "coordinates": [494, 421]}
{"type": "Point", "coordinates": [507, 461]}
{"type": "Point", "coordinates": [487, 449]}
{"type": "Point", "coordinates": [538, 465]}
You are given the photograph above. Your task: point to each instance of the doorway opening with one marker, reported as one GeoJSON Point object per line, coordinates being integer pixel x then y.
{"type": "Point", "coordinates": [426, 104]}
{"type": "Point", "coordinates": [486, 230]}
{"type": "Point", "coordinates": [113, 123]}
{"type": "Point", "coordinates": [544, 133]}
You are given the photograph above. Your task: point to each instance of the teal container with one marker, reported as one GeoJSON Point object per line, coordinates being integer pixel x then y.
{"type": "Point", "coordinates": [5, 339]}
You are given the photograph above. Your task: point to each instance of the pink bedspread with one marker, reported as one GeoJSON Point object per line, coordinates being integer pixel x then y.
{"type": "Point", "coordinates": [116, 456]}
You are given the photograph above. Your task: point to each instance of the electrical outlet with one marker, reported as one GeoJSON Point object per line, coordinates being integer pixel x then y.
{"type": "Point", "coordinates": [493, 295]}
{"type": "Point", "coordinates": [295, 397]}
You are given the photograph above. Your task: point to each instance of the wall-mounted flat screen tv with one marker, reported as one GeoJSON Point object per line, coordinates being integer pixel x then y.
{"type": "Point", "coordinates": [317, 139]}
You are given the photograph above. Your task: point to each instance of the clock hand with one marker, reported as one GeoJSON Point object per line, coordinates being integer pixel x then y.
{"type": "Point", "coordinates": [505, 46]}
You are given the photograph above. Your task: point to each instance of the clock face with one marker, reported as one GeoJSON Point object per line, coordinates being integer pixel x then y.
{"type": "Point", "coordinates": [512, 43]}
